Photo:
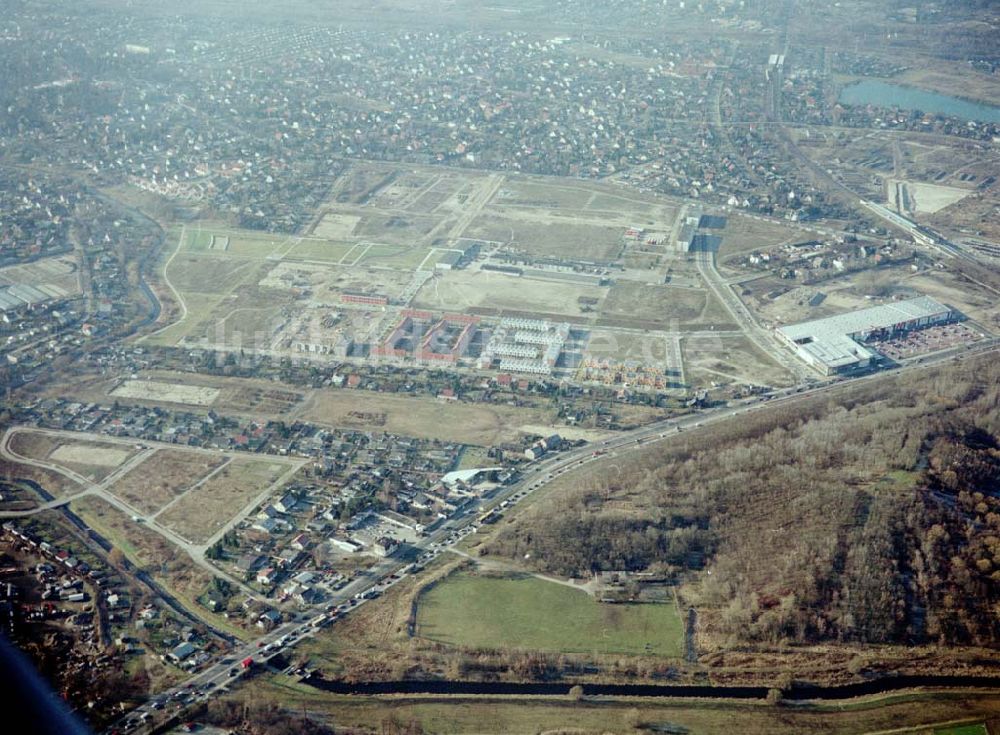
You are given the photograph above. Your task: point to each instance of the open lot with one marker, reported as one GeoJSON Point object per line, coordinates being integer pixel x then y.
{"type": "Point", "coordinates": [334, 225]}
{"type": "Point", "coordinates": [650, 349]}
{"type": "Point", "coordinates": [154, 390]}
{"type": "Point", "coordinates": [778, 301]}
{"type": "Point", "coordinates": [523, 612]}
{"type": "Point", "coordinates": [88, 454]}
{"type": "Point", "coordinates": [555, 238]}
{"type": "Point", "coordinates": [726, 360]}
{"type": "Point", "coordinates": [202, 511]}
{"type": "Point", "coordinates": [646, 306]}
{"type": "Point", "coordinates": [743, 234]}
{"type": "Point", "coordinates": [462, 291]}
{"type": "Point", "coordinates": [467, 423]}
{"type": "Point", "coordinates": [163, 477]}
{"type": "Point", "coordinates": [57, 276]}
{"type": "Point", "coordinates": [94, 460]}
{"type": "Point", "coordinates": [927, 198]}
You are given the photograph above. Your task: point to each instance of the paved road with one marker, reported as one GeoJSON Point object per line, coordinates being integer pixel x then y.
{"type": "Point", "coordinates": [216, 676]}
{"type": "Point", "coordinates": [764, 339]}
{"type": "Point", "coordinates": [147, 448]}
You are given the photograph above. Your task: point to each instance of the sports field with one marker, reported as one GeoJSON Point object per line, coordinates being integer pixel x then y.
{"type": "Point", "coordinates": [528, 613]}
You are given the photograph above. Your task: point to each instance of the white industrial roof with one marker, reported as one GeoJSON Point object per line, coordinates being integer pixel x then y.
{"type": "Point", "coordinates": [832, 338]}
{"type": "Point", "coordinates": [466, 476]}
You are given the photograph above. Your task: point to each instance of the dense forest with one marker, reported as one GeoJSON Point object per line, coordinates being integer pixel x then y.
{"type": "Point", "coordinates": [871, 516]}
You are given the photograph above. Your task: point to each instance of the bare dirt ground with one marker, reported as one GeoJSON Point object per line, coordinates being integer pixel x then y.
{"type": "Point", "coordinates": [429, 418]}
{"type": "Point", "coordinates": [661, 307]}
{"type": "Point", "coordinates": [157, 391]}
{"type": "Point", "coordinates": [729, 360]}
{"type": "Point", "coordinates": [202, 511]}
{"type": "Point", "coordinates": [164, 476]}
{"type": "Point", "coordinates": [462, 291]}
{"type": "Point", "coordinates": [91, 459]}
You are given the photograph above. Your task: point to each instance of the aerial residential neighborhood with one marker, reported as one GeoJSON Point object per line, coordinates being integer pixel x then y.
{"type": "Point", "coordinates": [598, 366]}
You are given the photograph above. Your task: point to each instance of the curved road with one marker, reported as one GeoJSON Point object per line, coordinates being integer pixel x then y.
{"type": "Point", "coordinates": [216, 676]}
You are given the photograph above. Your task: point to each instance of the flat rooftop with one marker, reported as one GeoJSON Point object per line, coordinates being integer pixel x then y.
{"type": "Point", "coordinates": [833, 339]}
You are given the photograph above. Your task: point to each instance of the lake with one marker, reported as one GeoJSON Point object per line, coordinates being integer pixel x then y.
{"type": "Point", "coordinates": [883, 94]}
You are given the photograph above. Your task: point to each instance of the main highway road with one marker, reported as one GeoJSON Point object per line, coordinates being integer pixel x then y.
{"type": "Point", "coordinates": [216, 676]}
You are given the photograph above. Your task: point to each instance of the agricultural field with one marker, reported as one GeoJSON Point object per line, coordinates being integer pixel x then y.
{"type": "Point", "coordinates": [164, 476]}
{"type": "Point", "coordinates": [523, 612]}
{"type": "Point", "coordinates": [203, 510]}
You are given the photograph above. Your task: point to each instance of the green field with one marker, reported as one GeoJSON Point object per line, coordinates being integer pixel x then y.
{"type": "Point", "coordinates": [979, 729]}
{"type": "Point", "coordinates": [395, 256]}
{"type": "Point", "coordinates": [326, 250]}
{"type": "Point", "coordinates": [245, 243]}
{"type": "Point", "coordinates": [528, 613]}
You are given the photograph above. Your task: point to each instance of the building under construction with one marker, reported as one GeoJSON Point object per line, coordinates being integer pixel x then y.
{"type": "Point", "coordinates": [530, 346]}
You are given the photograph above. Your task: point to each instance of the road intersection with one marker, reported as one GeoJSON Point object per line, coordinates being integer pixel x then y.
{"type": "Point", "coordinates": [216, 676]}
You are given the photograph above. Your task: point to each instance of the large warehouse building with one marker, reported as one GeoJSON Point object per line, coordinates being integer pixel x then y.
{"type": "Point", "coordinates": [835, 344]}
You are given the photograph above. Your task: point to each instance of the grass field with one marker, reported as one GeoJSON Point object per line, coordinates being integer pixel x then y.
{"type": "Point", "coordinates": [203, 510]}
{"type": "Point", "coordinates": [479, 611]}
{"type": "Point", "coordinates": [910, 714]}
{"type": "Point", "coordinates": [163, 477]}
{"type": "Point", "coordinates": [229, 243]}
{"type": "Point", "coordinates": [420, 417]}
{"type": "Point", "coordinates": [324, 250]}
{"type": "Point", "coordinates": [395, 256]}
{"type": "Point", "coordinates": [979, 729]}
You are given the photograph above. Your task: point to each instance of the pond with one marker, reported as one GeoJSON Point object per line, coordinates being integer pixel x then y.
{"type": "Point", "coordinates": [883, 94]}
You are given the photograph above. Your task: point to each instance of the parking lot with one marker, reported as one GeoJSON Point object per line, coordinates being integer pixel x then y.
{"type": "Point", "coordinates": [925, 341]}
